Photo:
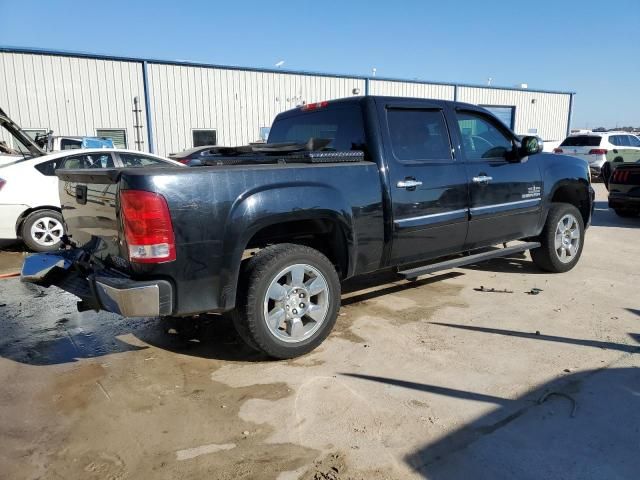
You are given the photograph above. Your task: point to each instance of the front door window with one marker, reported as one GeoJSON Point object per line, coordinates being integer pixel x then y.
{"type": "Point", "coordinates": [482, 140]}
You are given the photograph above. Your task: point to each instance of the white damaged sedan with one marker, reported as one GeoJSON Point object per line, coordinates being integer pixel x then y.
{"type": "Point", "coordinates": [29, 203]}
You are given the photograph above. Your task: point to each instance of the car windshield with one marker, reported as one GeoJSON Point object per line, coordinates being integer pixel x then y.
{"type": "Point", "coordinates": [582, 141]}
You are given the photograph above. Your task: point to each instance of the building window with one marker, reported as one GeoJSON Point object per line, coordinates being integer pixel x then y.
{"type": "Point", "coordinates": [117, 135]}
{"type": "Point", "coordinates": [505, 114]}
{"type": "Point", "coordinates": [264, 133]}
{"type": "Point", "coordinates": [32, 133]}
{"type": "Point", "coordinates": [202, 138]}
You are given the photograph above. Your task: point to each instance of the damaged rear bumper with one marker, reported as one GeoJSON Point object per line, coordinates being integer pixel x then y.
{"type": "Point", "coordinates": [99, 289]}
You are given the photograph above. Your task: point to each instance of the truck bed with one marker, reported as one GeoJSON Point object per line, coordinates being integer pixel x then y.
{"type": "Point", "coordinates": [215, 211]}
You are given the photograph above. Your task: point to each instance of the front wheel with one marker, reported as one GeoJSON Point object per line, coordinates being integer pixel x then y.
{"type": "Point", "coordinates": [288, 300]}
{"type": "Point", "coordinates": [562, 239]}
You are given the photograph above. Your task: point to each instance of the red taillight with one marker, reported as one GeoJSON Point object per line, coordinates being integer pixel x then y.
{"type": "Point", "coordinates": [184, 161]}
{"type": "Point", "coordinates": [3, 182]}
{"type": "Point", "coordinates": [557, 150]}
{"type": "Point", "coordinates": [598, 151]}
{"type": "Point", "coordinates": [620, 176]}
{"type": "Point", "coordinates": [147, 227]}
{"type": "Point", "coordinates": [314, 106]}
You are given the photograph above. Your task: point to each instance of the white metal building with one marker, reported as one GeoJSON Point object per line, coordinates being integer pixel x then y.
{"type": "Point", "coordinates": [185, 104]}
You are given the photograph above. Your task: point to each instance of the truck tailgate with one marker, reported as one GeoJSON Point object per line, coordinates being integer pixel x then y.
{"type": "Point", "coordinates": [88, 200]}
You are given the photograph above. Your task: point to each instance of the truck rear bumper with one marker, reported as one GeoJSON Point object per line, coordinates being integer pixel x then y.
{"type": "Point", "coordinates": [623, 200]}
{"type": "Point", "coordinates": [99, 290]}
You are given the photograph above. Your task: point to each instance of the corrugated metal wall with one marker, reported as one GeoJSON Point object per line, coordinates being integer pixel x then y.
{"type": "Point", "coordinates": [548, 113]}
{"type": "Point", "coordinates": [235, 103]}
{"type": "Point", "coordinates": [70, 95]}
{"type": "Point", "coordinates": [75, 95]}
{"type": "Point", "coordinates": [411, 89]}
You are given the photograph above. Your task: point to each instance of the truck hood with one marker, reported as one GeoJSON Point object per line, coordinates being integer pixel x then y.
{"type": "Point", "coordinates": [15, 131]}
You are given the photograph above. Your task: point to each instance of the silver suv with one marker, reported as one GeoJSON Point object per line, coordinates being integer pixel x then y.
{"type": "Point", "coordinates": [600, 148]}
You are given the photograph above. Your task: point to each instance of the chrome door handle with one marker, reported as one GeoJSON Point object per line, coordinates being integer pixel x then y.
{"type": "Point", "coordinates": [482, 179]}
{"type": "Point", "coordinates": [408, 183]}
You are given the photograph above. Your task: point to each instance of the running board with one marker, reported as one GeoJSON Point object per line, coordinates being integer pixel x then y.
{"type": "Point", "coordinates": [468, 260]}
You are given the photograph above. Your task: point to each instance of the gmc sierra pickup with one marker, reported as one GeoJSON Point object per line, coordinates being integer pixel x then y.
{"type": "Point", "coordinates": [342, 188]}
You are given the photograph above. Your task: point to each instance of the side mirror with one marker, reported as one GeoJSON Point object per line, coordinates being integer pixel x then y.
{"type": "Point", "coordinates": [531, 146]}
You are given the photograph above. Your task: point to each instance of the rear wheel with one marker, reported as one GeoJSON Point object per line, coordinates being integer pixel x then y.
{"type": "Point", "coordinates": [42, 230]}
{"type": "Point", "coordinates": [288, 301]}
{"type": "Point", "coordinates": [561, 239]}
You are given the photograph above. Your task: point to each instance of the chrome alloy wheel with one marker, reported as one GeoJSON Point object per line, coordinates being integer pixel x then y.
{"type": "Point", "coordinates": [47, 231]}
{"type": "Point", "coordinates": [296, 303]}
{"type": "Point", "coordinates": [567, 238]}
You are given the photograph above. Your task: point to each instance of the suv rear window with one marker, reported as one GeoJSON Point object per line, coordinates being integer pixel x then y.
{"type": "Point", "coordinates": [342, 125]}
{"type": "Point", "coordinates": [582, 141]}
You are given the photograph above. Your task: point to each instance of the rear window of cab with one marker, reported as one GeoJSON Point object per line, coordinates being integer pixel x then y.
{"type": "Point", "coordinates": [582, 141]}
{"type": "Point", "coordinates": [342, 125]}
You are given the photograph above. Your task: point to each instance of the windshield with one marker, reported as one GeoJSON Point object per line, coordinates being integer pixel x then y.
{"type": "Point", "coordinates": [582, 141]}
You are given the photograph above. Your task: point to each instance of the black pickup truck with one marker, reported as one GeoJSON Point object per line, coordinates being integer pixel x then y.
{"type": "Point", "coordinates": [624, 189]}
{"type": "Point", "coordinates": [341, 189]}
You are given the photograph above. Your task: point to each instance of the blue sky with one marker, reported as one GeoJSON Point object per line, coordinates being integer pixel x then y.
{"type": "Point", "coordinates": [592, 48]}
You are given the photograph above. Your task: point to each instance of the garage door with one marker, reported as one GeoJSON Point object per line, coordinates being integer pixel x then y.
{"type": "Point", "coordinates": [119, 136]}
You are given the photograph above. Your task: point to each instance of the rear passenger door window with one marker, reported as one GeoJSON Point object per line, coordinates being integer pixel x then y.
{"type": "Point", "coordinates": [419, 136]}
{"type": "Point", "coordinates": [89, 160]}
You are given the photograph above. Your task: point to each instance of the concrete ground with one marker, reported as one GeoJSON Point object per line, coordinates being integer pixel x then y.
{"type": "Point", "coordinates": [431, 379]}
{"type": "Point", "coordinates": [11, 257]}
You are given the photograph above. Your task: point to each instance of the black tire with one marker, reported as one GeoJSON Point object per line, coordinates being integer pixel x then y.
{"type": "Point", "coordinates": [39, 244]}
{"type": "Point", "coordinates": [546, 257]}
{"type": "Point", "coordinates": [256, 277]}
{"type": "Point", "coordinates": [605, 174]}
{"type": "Point", "coordinates": [626, 213]}
{"type": "Point", "coordinates": [241, 328]}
